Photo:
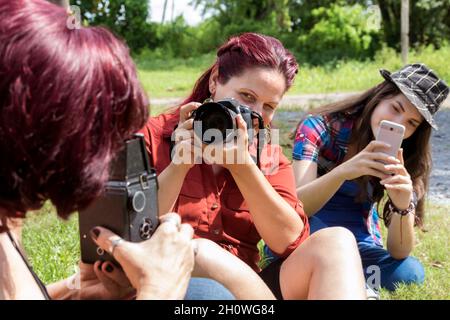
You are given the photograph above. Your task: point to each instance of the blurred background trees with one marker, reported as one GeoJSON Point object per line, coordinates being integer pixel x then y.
{"type": "Point", "coordinates": [317, 31]}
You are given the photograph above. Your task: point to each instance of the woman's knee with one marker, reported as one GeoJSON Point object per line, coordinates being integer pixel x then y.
{"type": "Point", "coordinates": [336, 238]}
{"type": "Point", "coordinates": [333, 244]}
{"type": "Point", "coordinates": [203, 244]}
{"type": "Point", "coordinates": [408, 271]}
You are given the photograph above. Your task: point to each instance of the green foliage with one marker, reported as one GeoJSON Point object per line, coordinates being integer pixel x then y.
{"type": "Point", "coordinates": [319, 32]}
{"type": "Point", "coordinates": [338, 32]}
{"type": "Point", "coordinates": [273, 13]}
{"type": "Point", "coordinates": [429, 22]}
{"type": "Point", "coordinates": [177, 39]}
{"type": "Point", "coordinates": [127, 18]}
{"type": "Point", "coordinates": [175, 77]}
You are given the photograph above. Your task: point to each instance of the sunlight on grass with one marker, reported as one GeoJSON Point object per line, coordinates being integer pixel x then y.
{"type": "Point", "coordinates": [53, 248]}
{"type": "Point", "coordinates": [432, 250]}
{"type": "Point", "coordinates": [176, 77]}
{"type": "Point", "coordinates": [51, 244]}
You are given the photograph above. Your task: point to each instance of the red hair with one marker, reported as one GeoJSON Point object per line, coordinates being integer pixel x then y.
{"type": "Point", "coordinates": [68, 99]}
{"type": "Point", "coordinates": [239, 53]}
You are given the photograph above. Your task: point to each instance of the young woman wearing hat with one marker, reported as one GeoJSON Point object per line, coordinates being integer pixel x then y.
{"type": "Point", "coordinates": [342, 181]}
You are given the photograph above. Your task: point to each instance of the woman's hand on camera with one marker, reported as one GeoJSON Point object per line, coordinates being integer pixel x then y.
{"type": "Point", "coordinates": [103, 281]}
{"type": "Point", "coordinates": [183, 153]}
{"type": "Point", "coordinates": [368, 162]}
{"type": "Point", "coordinates": [159, 268]}
{"type": "Point", "coordinates": [235, 152]}
{"type": "Point", "coordinates": [399, 185]}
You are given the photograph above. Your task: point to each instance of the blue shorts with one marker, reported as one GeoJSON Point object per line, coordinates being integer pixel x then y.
{"type": "Point", "coordinates": [374, 258]}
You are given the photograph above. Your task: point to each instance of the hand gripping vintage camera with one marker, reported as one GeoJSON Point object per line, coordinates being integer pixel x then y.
{"type": "Point", "coordinates": [221, 115]}
{"type": "Point", "coordinates": [129, 204]}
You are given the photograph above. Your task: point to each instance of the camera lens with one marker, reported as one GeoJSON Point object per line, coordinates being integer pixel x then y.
{"type": "Point", "coordinates": [216, 120]}
{"type": "Point", "coordinates": [138, 201]}
{"type": "Point", "coordinates": [146, 229]}
{"type": "Point", "coordinates": [214, 116]}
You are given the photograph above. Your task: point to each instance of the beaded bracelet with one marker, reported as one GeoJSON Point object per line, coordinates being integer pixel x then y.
{"type": "Point", "coordinates": [393, 208]}
{"type": "Point", "coordinates": [412, 206]}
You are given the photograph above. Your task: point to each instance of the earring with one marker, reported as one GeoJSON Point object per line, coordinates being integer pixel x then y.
{"type": "Point", "coordinates": [210, 99]}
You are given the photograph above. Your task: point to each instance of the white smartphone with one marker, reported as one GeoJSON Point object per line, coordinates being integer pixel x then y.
{"type": "Point", "coordinates": [392, 133]}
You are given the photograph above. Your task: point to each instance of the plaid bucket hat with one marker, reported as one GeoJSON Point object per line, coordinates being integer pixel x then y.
{"type": "Point", "coordinates": [421, 86]}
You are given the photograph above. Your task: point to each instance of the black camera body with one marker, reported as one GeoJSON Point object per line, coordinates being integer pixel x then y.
{"type": "Point", "coordinates": [221, 115]}
{"type": "Point", "coordinates": [129, 204]}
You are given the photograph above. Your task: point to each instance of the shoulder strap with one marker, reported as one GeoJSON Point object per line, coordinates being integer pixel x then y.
{"type": "Point", "coordinates": [36, 278]}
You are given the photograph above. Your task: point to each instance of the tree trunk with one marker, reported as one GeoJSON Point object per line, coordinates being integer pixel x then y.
{"type": "Point", "coordinates": [390, 12]}
{"type": "Point", "coordinates": [405, 30]}
{"type": "Point", "coordinates": [164, 11]}
{"type": "Point", "coordinates": [173, 10]}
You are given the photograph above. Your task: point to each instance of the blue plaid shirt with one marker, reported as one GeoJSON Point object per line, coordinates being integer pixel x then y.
{"type": "Point", "coordinates": [324, 139]}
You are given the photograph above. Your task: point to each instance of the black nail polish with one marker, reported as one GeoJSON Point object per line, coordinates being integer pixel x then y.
{"type": "Point", "coordinates": [100, 266]}
{"type": "Point", "coordinates": [95, 233]}
{"type": "Point", "coordinates": [109, 268]}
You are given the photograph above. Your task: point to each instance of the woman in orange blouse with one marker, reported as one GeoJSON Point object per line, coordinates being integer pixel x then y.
{"type": "Point", "coordinates": [235, 205]}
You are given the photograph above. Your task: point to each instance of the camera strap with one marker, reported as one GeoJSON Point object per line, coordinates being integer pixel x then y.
{"type": "Point", "coordinates": [172, 143]}
{"type": "Point", "coordinates": [30, 268]}
{"type": "Point", "coordinates": [260, 138]}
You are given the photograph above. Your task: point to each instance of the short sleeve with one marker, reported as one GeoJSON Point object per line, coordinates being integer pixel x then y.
{"type": "Point", "coordinates": [157, 133]}
{"type": "Point", "coordinates": [283, 181]}
{"type": "Point", "coordinates": [310, 137]}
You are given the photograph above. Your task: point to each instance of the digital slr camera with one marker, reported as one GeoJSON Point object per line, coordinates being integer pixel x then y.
{"type": "Point", "coordinates": [128, 205]}
{"type": "Point", "coordinates": [221, 115]}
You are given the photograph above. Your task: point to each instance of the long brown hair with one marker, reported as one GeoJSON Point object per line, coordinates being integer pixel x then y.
{"type": "Point", "coordinates": [416, 149]}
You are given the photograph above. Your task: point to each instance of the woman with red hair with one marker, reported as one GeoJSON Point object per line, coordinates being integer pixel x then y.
{"type": "Point", "coordinates": [232, 205]}
{"type": "Point", "coordinates": [68, 100]}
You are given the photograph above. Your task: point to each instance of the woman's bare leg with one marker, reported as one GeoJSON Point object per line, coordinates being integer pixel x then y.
{"type": "Point", "coordinates": [215, 263]}
{"type": "Point", "coordinates": [327, 265]}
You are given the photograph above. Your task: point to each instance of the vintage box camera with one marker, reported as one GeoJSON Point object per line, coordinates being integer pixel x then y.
{"type": "Point", "coordinates": [129, 204]}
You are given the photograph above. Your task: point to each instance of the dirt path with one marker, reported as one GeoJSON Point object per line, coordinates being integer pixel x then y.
{"type": "Point", "coordinates": [288, 100]}
{"type": "Point", "coordinates": [440, 144]}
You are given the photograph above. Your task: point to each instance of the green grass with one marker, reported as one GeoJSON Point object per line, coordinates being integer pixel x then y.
{"type": "Point", "coordinates": [173, 77]}
{"type": "Point", "coordinates": [432, 249]}
{"type": "Point", "coordinates": [52, 245]}
{"type": "Point", "coordinates": [176, 77]}
{"type": "Point", "coordinates": [53, 248]}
